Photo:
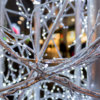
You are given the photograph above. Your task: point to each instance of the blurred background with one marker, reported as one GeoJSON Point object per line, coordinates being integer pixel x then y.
{"type": "Point", "coordinates": [64, 36]}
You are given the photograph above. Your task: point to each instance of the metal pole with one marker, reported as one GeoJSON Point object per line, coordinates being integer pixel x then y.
{"type": "Point", "coordinates": [37, 48]}
{"type": "Point", "coordinates": [93, 71]}
{"type": "Point", "coordinates": [77, 33]}
{"type": "Point", "coordinates": [37, 31]}
{"type": "Point", "coordinates": [2, 5]}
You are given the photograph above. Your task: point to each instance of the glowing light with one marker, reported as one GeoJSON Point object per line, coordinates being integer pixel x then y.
{"type": "Point", "coordinates": [73, 19]}
{"type": "Point", "coordinates": [28, 9]}
{"type": "Point", "coordinates": [19, 22]}
{"type": "Point", "coordinates": [21, 18]}
{"type": "Point", "coordinates": [36, 2]}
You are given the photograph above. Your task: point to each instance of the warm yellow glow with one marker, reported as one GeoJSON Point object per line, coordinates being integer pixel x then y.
{"type": "Point", "coordinates": [21, 18]}
{"type": "Point", "coordinates": [48, 49]}
{"type": "Point", "coordinates": [50, 42]}
{"type": "Point", "coordinates": [56, 36]}
{"type": "Point", "coordinates": [70, 37]}
{"type": "Point", "coordinates": [84, 38]}
{"type": "Point", "coordinates": [41, 41]}
{"type": "Point", "coordinates": [19, 22]}
{"type": "Point", "coordinates": [73, 19]}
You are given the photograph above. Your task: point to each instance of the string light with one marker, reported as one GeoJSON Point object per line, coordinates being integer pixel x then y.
{"type": "Point", "coordinates": [46, 66]}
